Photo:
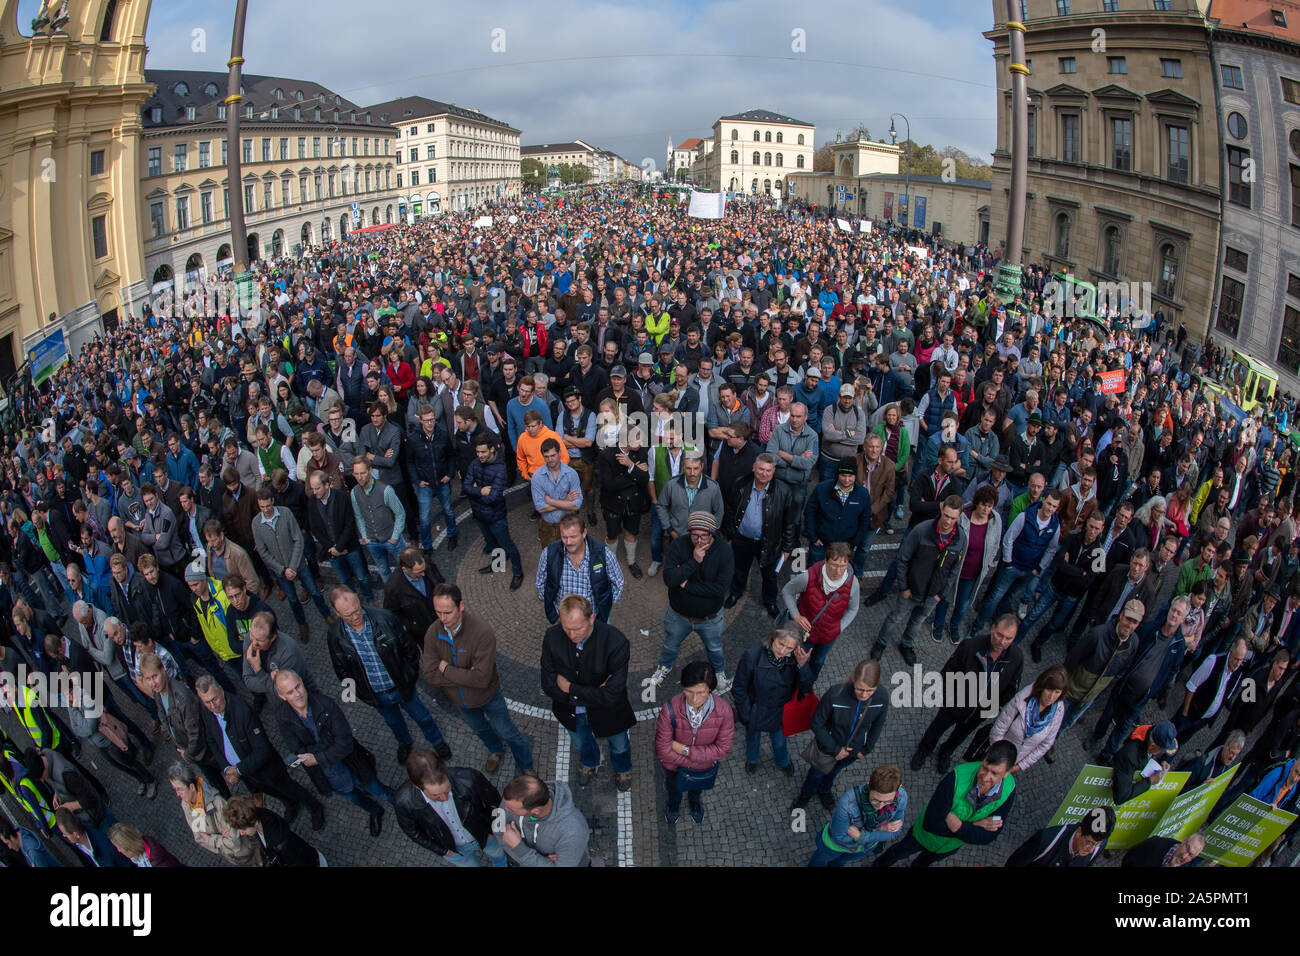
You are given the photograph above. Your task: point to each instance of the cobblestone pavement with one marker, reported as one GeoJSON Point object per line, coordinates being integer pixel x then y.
{"type": "Point", "coordinates": [747, 822]}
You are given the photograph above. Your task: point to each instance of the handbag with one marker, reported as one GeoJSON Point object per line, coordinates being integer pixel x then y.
{"type": "Point", "coordinates": [821, 761]}
{"type": "Point", "coordinates": [114, 730]}
{"type": "Point", "coordinates": [688, 779]}
{"type": "Point", "coordinates": [796, 716]}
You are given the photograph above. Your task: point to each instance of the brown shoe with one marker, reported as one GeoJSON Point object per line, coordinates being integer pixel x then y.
{"type": "Point", "coordinates": [304, 633]}
{"type": "Point", "coordinates": [493, 763]}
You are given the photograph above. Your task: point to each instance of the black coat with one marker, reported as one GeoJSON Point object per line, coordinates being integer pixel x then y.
{"type": "Point", "coordinates": [475, 799]}
{"type": "Point", "coordinates": [413, 609]}
{"type": "Point", "coordinates": [246, 737]}
{"type": "Point", "coordinates": [1009, 666]}
{"type": "Point", "coordinates": [333, 524]}
{"type": "Point", "coordinates": [762, 689]}
{"type": "Point", "coordinates": [399, 654]}
{"type": "Point", "coordinates": [833, 720]}
{"type": "Point", "coordinates": [430, 458]}
{"type": "Point", "coordinates": [780, 517]}
{"type": "Point", "coordinates": [1150, 853]}
{"type": "Point", "coordinates": [597, 675]}
{"type": "Point", "coordinates": [280, 845]}
{"type": "Point", "coordinates": [334, 745]}
{"type": "Point", "coordinates": [1107, 590]}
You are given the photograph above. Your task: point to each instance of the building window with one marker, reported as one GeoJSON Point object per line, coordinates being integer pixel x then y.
{"type": "Point", "coordinates": [302, 189]}
{"type": "Point", "coordinates": [157, 219]}
{"type": "Point", "coordinates": [266, 149]}
{"type": "Point", "coordinates": [1293, 286]}
{"type": "Point", "coordinates": [1295, 195]}
{"type": "Point", "coordinates": [757, 138]}
{"type": "Point", "coordinates": [1024, 10]}
{"type": "Point", "coordinates": [1239, 179]}
{"type": "Point", "coordinates": [205, 154]}
{"type": "Point", "coordinates": [1062, 8]}
{"type": "Point", "coordinates": [1177, 139]}
{"type": "Point", "coordinates": [1237, 126]}
{"type": "Point", "coordinates": [1290, 90]}
{"type": "Point", "coordinates": [1173, 69]}
{"type": "Point", "coordinates": [429, 128]}
{"type": "Point", "coordinates": [780, 137]}
{"type": "Point", "coordinates": [1062, 236]}
{"type": "Point", "coordinates": [1288, 349]}
{"type": "Point", "coordinates": [1121, 136]}
{"type": "Point", "coordinates": [1067, 64]}
{"type": "Point", "coordinates": [315, 147]}
{"type": "Point", "coordinates": [1111, 244]}
{"type": "Point", "coordinates": [767, 159]}
{"type": "Point", "coordinates": [225, 151]}
{"type": "Point", "coordinates": [1162, 4]}
{"type": "Point", "coordinates": [316, 184]}
{"type": "Point", "coordinates": [1110, 6]}
{"type": "Point", "coordinates": [428, 152]}
{"type": "Point", "coordinates": [248, 198]}
{"type": "Point", "coordinates": [1116, 64]}
{"type": "Point", "coordinates": [1033, 133]}
{"type": "Point", "coordinates": [182, 212]}
{"type": "Point", "coordinates": [779, 160]}
{"type": "Point", "coordinates": [180, 153]}
{"type": "Point", "coordinates": [415, 177]}
{"type": "Point", "coordinates": [735, 134]}
{"type": "Point", "coordinates": [1070, 138]}
{"type": "Point", "coordinates": [297, 114]}
{"type": "Point", "coordinates": [757, 159]}
{"type": "Point", "coordinates": [330, 182]}
{"type": "Point", "coordinates": [432, 177]}
{"type": "Point", "coordinates": [221, 111]}
{"type": "Point", "coordinates": [798, 162]}
{"type": "Point", "coordinates": [284, 148]}
{"type": "Point", "coordinates": [1279, 18]}
{"type": "Point", "coordinates": [225, 200]}
{"type": "Point", "coordinates": [1231, 77]}
{"type": "Point", "coordinates": [267, 202]}
{"type": "Point", "coordinates": [1168, 281]}
{"type": "Point", "coordinates": [189, 113]}
{"type": "Point", "coordinates": [399, 180]}
{"type": "Point", "coordinates": [415, 154]}
{"type": "Point", "coordinates": [155, 115]}
{"type": "Point", "coordinates": [205, 207]}
{"type": "Point", "coordinates": [99, 236]}
{"type": "Point", "coordinates": [1236, 259]}
{"type": "Point", "coordinates": [767, 136]}
{"type": "Point", "coordinates": [800, 142]}
{"type": "Point", "coordinates": [247, 151]}
{"type": "Point", "coordinates": [1230, 298]}
{"type": "Point", "coordinates": [735, 157]}
{"type": "Point", "coordinates": [96, 162]}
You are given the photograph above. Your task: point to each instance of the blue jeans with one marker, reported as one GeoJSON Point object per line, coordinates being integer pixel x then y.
{"type": "Point", "coordinates": [909, 614]}
{"type": "Point", "coordinates": [825, 856]}
{"type": "Point", "coordinates": [817, 657]}
{"type": "Point", "coordinates": [346, 785]}
{"type": "Point", "coordinates": [496, 534]}
{"type": "Point", "coordinates": [827, 466]}
{"type": "Point", "coordinates": [351, 570]}
{"type": "Point", "coordinates": [817, 552]}
{"type": "Point", "coordinates": [679, 628]}
{"type": "Point", "coordinates": [754, 744]}
{"type": "Point", "coordinates": [1065, 605]}
{"type": "Point", "coordinates": [961, 601]}
{"type": "Point", "coordinates": [466, 854]}
{"type": "Point", "coordinates": [588, 747]}
{"type": "Point", "coordinates": [1008, 578]}
{"type": "Point", "coordinates": [491, 723]}
{"type": "Point", "coordinates": [291, 592]}
{"type": "Point", "coordinates": [818, 782]}
{"type": "Point", "coordinates": [390, 706]}
{"type": "Point", "coordinates": [1073, 712]}
{"type": "Point", "coordinates": [385, 555]}
{"type": "Point", "coordinates": [425, 495]}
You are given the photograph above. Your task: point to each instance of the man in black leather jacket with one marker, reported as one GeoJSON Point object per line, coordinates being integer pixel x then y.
{"type": "Point", "coordinates": [765, 531]}
{"type": "Point", "coordinates": [448, 810]}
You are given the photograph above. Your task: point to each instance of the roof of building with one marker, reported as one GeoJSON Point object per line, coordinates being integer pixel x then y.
{"type": "Point", "coordinates": [574, 147]}
{"type": "Point", "coordinates": [205, 90]}
{"type": "Point", "coordinates": [691, 143]}
{"type": "Point", "coordinates": [407, 108]}
{"type": "Point", "coordinates": [767, 116]}
{"type": "Point", "coordinates": [1257, 16]}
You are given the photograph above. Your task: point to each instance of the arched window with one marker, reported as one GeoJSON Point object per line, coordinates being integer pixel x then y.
{"type": "Point", "coordinates": [106, 28]}
{"type": "Point", "coordinates": [735, 135]}
{"type": "Point", "coordinates": [753, 187]}
{"type": "Point", "coordinates": [735, 156]}
{"type": "Point", "coordinates": [767, 159]}
{"type": "Point", "coordinates": [1168, 283]}
{"type": "Point", "coordinates": [798, 161]}
{"type": "Point", "coordinates": [210, 90]}
{"type": "Point", "coordinates": [181, 89]}
{"type": "Point", "coordinates": [1111, 245]}
{"type": "Point", "coordinates": [780, 137]}
{"type": "Point", "coordinates": [278, 93]}
{"type": "Point", "coordinates": [297, 95]}
{"type": "Point", "coordinates": [778, 159]}
{"type": "Point", "coordinates": [757, 158]}
{"type": "Point", "coordinates": [767, 136]}
{"type": "Point", "coordinates": [756, 137]}
{"type": "Point", "coordinates": [1062, 236]}
{"type": "Point", "coordinates": [801, 143]}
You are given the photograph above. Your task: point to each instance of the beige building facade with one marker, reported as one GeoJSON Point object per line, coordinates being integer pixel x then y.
{"type": "Point", "coordinates": [754, 151]}
{"type": "Point", "coordinates": [1124, 168]}
{"type": "Point", "coordinates": [450, 157]}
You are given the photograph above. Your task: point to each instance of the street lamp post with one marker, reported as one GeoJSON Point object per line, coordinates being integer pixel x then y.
{"type": "Point", "coordinates": [234, 175]}
{"type": "Point", "coordinates": [1007, 286]}
{"type": "Point", "coordinates": [907, 174]}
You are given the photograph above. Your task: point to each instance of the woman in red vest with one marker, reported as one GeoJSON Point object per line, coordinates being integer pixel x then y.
{"type": "Point", "coordinates": [823, 602]}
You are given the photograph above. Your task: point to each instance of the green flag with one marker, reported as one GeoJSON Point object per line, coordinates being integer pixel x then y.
{"type": "Point", "coordinates": [1189, 811]}
{"type": "Point", "coordinates": [1244, 831]}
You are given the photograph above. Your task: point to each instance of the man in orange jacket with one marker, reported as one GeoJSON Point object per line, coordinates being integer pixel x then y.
{"type": "Point", "coordinates": [529, 452]}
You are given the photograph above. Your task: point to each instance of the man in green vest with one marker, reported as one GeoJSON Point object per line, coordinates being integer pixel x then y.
{"type": "Point", "coordinates": [970, 805]}
{"type": "Point", "coordinates": [271, 454]}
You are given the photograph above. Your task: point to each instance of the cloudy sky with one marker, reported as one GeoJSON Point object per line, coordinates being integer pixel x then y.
{"type": "Point", "coordinates": [621, 75]}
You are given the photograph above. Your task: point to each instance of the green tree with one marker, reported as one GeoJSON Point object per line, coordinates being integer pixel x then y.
{"type": "Point", "coordinates": [578, 173]}
{"type": "Point", "coordinates": [533, 173]}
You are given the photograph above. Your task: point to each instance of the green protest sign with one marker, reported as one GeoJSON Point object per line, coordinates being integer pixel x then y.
{"type": "Point", "coordinates": [1091, 789]}
{"type": "Point", "coordinates": [1243, 831]}
{"type": "Point", "coordinates": [1190, 810]}
{"type": "Point", "coordinates": [1135, 819]}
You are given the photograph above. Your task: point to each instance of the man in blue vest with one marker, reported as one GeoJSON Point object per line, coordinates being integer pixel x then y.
{"type": "Point", "coordinates": [578, 564]}
{"type": "Point", "coordinates": [1028, 548]}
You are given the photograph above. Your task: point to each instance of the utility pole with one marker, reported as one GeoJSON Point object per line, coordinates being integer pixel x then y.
{"type": "Point", "coordinates": [1007, 286]}
{"type": "Point", "coordinates": [234, 173]}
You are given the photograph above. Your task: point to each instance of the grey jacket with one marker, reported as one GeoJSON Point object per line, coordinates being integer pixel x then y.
{"type": "Point", "coordinates": [281, 545]}
{"type": "Point", "coordinates": [285, 654]}
{"type": "Point", "coordinates": [386, 445]}
{"type": "Point", "coordinates": [784, 439]}
{"type": "Point", "coordinates": [101, 646]}
{"type": "Point", "coordinates": [836, 423]}
{"type": "Point", "coordinates": [983, 451]}
{"type": "Point", "coordinates": [160, 531]}
{"type": "Point", "coordinates": [564, 833]}
{"type": "Point", "coordinates": [673, 510]}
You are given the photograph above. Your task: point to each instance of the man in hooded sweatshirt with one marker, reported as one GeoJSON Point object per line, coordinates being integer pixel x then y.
{"type": "Point", "coordinates": [542, 825]}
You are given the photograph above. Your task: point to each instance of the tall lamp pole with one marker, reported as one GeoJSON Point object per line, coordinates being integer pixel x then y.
{"type": "Point", "coordinates": [234, 174]}
{"type": "Point", "coordinates": [1007, 286]}
{"type": "Point", "coordinates": [907, 172]}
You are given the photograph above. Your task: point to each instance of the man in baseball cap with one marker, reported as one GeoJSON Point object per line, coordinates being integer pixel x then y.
{"type": "Point", "coordinates": [1143, 761]}
{"type": "Point", "coordinates": [694, 563]}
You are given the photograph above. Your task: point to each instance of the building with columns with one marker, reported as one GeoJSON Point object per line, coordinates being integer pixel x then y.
{"type": "Point", "coordinates": [754, 151]}
{"type": "Point", "coordinates": [450, 157]}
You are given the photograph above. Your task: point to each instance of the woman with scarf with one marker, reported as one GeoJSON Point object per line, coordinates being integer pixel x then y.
{"type": "Point", "coordinates": [768, 677]}
{"type": "Point", "coordinates": [1030, 720]}
{"type": "Point", "coordinates": [865, 819]}
{"type": "Point", "coordinates": [693, 734]}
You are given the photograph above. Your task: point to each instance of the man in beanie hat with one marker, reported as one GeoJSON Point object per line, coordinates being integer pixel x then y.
{"type": "Point", "coordinates": [1143, 761]}
{"type": "Point", "coordinates": [839, 509]}
{"type": "Point", "coordinates": [698, 567]}
{"type": "Point", "coordinates": [1070, 844]}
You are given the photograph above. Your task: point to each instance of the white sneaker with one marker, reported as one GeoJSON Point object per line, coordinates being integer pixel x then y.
{"type": "Point", "coordinates": [1024, 610]}
{"type": "Point", "coordinates": [653, 569]}
{"type": "Point", "coordinates": [724, 684]}
{"type": "Point", "coordinates": [657, 678]}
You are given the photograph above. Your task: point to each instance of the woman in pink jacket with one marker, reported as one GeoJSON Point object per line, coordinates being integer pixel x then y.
{"type": "Point", "coordinates": [693, 734]}
{"type": "Point", "coordinates": [1031, 720]}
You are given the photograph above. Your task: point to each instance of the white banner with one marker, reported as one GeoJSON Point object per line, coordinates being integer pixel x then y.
{"type": "Point", "coordinates": [844, 224]}
{"type": "Point", "coordinates": [921, 252]}
{"type": "Point", "coordinates": [707, 205]}
{"type": "Point", "coordinates": [483, 222]}
{"type": "Point", "coordinates": [864, 225]}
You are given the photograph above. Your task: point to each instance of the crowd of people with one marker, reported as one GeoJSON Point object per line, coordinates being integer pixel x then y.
{"type": "Point", "coordinates": [766, 390]}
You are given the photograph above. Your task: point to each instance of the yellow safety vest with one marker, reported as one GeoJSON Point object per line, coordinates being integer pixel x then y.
{"type": "Point", "coordinates": [32, 722]}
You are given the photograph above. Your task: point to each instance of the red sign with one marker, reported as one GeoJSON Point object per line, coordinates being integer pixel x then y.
{"type": "Point", "coordinates": [1112, 383]}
